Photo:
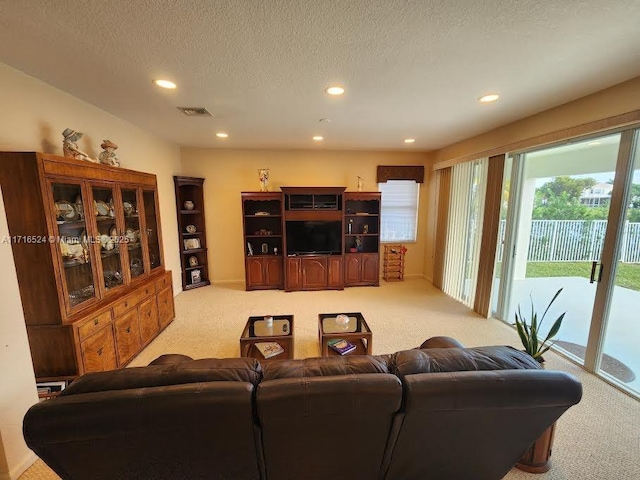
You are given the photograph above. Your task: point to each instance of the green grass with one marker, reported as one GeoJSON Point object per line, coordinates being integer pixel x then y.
{"type": "Point", "coordinates": [627, 275]}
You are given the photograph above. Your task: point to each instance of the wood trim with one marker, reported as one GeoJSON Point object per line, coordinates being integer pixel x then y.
{"type": "Point", "coordinates": [611, 123]}
{"type": "Point", "coordinates": [443, 189]}
{"type": "Point", "coordinates": [400, 172]}
{"type": "Point", "coordinates": [490, 225]}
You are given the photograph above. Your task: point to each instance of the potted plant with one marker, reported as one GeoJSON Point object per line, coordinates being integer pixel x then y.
{"type": "Point", "coordinates": [528, 332]}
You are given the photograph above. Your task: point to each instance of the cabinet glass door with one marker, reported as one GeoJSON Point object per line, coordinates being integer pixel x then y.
{"type": "Point", "coordinates": [107, 236]}
{"type": "Point", "coordinates": [151, 229]}
{"type": "Point", "coordinates": [73, 241]}
{"type": "Point", "coordinates": [132, 231]}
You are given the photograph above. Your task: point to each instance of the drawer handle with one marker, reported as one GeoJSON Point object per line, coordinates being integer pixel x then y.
{"type": "Point", "coordinates": [95, 321]}
{"type": "Point", "coordinates": [100, 351]}
{"type": "Point", "coordinates": [126, 304]}
{"type": "Point", "coordinates": [146, 292]}
{"type": "Point", "coordinates": [128, 329]}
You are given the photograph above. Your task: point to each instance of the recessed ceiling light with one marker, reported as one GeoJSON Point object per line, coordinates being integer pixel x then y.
{"type": "Point", "coordinates": [165, 84]}
{"type": "Point", "coordinates": [489, 98]}
{"type": "Point", "coordinates": [222, 135]}
{"type": "Point", "coordinates": [335, 90]}
{"type": "Point", "coordinates": [409, 140]}
{"type": "Point", "coordinates": [318, 138]}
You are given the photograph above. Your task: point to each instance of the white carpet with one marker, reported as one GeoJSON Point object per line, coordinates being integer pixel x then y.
{"type": "Point", "coordinates": [599, 439]}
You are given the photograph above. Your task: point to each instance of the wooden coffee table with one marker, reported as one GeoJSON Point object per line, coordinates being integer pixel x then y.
{"type": "Point", "coordinates": [282, 333]}
{"type": "Point", "coordinates": [356, 331]}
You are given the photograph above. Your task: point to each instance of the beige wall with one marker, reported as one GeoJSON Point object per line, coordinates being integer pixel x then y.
{"type": "Point", "coordinates": [33, 115]}
{"type": "Point", "coordinates": [229, 172]}
{"type": "Point", "coordinates": [610, 102]}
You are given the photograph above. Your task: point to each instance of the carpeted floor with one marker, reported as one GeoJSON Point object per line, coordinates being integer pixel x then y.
{"type": "Point", "coordinates": [599, 439]}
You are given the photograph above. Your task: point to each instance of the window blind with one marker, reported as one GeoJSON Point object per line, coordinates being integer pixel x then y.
{"type": "Point", "coordinates": [464, 229]}
{"type": "Point", "coordinates": [399, 210]}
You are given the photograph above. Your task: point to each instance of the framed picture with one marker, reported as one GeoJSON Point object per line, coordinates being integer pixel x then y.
{"type": "Point", "coordinates": [196, 276]}
{"type": "Point", "coordinates": [191, 243]}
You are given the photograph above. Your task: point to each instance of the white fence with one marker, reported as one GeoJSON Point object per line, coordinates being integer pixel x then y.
{"type": "Point", "coordinates": [574, 241]}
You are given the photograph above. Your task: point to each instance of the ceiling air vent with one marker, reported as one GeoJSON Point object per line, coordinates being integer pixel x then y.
{"type": "Point", "coordinates": [195, 111]}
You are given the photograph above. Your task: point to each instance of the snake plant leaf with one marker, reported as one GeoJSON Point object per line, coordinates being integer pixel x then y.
{"type": "Point", "coordinates": [555, 328]}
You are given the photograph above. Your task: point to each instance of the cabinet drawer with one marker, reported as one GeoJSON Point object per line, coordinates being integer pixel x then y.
{"type": "Point", "coordinates": [93, 324]}
{"type": "Point", "coordinates": [127, 336]}
{"type": "Point", "coordinates": [132, 299]}
{"type": "Point", "coordinates": [99, 352]}
{"type": "Point", "coordinates": [148, 316]}
{"type": "Point", "coordinates": [165, 306]}
{"type": "Point", "coordinates": [164, 282]}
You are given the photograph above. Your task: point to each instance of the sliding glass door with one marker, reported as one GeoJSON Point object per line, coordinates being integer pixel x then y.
{"type": "Point", "coordinates": [573, 211]}
{"type": "Point", "coordinates": [619, 333]}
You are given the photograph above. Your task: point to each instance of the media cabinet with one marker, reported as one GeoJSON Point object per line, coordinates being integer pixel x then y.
{"type": "Point", "coordinates": [311, 238]}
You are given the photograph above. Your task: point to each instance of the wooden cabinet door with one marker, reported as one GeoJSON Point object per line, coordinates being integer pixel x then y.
{"type": "Point", "coordinates": [314, 272]}
{"type": "Point", "coordinates": [166, 310]}
{"type": "Point", "coordinates": [255, 272]}
{"type": "Point", "coordinates": [335, 272]}
{"type": "Point", "coordinates": [294, 274]}
{"type": "Point", "coordinates": [273, 271]}
{"type": "Point", "coordinates": [148, 317]}
{"type": "Point", "coordinates": [352, 268]}
{"type": "Point", "coordinates": [127, 336]}
{"type": "Point", "coordinates": [99, 351]}
{"type": "Point", "coordinates": [370, 268]}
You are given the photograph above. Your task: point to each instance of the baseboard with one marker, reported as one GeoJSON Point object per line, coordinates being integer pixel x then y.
{"type": "Point", "coordinates": [225, 282]}
{"type": "Point", "coordinates": [19, 469]}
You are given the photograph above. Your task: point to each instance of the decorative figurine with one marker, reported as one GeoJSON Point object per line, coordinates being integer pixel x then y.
{"type": "Point", "coordinates": [358, 244]}
{"type": "Point", "coordinates": [109, 157]}
{"type": "Point", "coordinates": [360, 184]}
{"type": "Point", "coordinates": [70, 148]}
{"type": "Point", "coordinates": [263, 175]}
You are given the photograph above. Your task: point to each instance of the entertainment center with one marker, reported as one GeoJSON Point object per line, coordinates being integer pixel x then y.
{"type": "Point", "coordinates": [311, 238]}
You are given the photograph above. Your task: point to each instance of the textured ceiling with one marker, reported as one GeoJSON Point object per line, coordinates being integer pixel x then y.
{"type": "Point", "coordinates": [410, 68]}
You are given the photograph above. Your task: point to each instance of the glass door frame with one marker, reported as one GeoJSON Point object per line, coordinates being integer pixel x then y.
{"type": "Point", "coordinates": [629, 142]}
{"type": "Point", "coordinates": [611, 249]}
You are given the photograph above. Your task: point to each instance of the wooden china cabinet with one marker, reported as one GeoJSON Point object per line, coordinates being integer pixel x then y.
{"type": "Point", "coordinates": [87, 246]}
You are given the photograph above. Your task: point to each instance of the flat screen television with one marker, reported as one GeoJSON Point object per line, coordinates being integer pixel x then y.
{"type": "Point", "coordinates": [318, 236]}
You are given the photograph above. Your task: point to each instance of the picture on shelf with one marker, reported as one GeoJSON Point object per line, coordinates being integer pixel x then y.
{"type": "Point", "coordinates": [192, 244]}
{"type": "Point", "coordinates": [193, 261]}
{"type": "Point", "coordinates": [196, 276]}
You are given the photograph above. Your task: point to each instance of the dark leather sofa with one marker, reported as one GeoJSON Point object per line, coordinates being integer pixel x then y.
{"type": "Point", "coordinates": [428, 413]}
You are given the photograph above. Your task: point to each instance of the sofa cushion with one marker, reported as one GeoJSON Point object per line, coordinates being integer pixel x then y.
{"type": "Point", "coordinates": [203, 370]}
{"type": "Point", "coordinates": [326, 366]}
{"type": "Point", "coordinates": [409, 362]}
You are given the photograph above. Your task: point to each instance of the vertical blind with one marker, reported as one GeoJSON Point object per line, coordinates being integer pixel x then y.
{"type": "Point", "coordinates": [399, 210]}
{"type": "Point", "coordinates": [464, 229]}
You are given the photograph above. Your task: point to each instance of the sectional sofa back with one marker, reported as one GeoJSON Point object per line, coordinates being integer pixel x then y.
{"type": "Point", "coordinates": [193, 420]}
{"type": "Point", "coordinates": [417, 414]}
{"type": "Point", "coordinates": [327, 417]}
{"type": "Point", "coordinates": [472, 413]}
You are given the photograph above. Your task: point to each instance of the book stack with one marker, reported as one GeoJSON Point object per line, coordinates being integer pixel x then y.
{"type": "Point", "coordinates": [341, 346]}
{"type": "Point", "coordinates": [269, 349]}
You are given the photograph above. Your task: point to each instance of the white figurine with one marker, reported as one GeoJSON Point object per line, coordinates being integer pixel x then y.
{"type": "Point", "coordinates": [108, 156]}
{"type": "Point", "coordinates": [263, 175]}
{"type": "Point", "coordinates": [70, 148]}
